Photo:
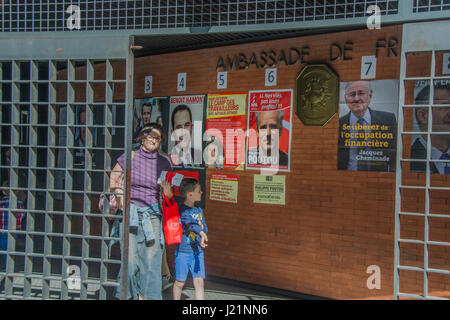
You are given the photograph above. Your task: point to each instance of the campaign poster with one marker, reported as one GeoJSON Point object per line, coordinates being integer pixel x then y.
{"type": "Point", "coordinates": [147, 110]}
{"type": "Point", "coordinates": [269, 129]}
{"type": "Point", "coordinates": [225, 131]}
{"type": "Point", "coordinates": [440, 127]}
{"type": "Point", "coordinates": [185, 134]}
{"type": "Point", "coordinates": [269, 189]}
{"type": "Point", "coordinates": [223, 187]}
{"type": "Point", "coordinates": [368, 125]}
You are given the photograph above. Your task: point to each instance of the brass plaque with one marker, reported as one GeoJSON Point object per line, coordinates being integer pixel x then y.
{"type": "Point", "coordinates": [317, 94]}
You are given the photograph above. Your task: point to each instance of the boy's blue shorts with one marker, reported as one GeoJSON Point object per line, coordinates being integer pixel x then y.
{"type": "Point", "coordinates": [185, 262]}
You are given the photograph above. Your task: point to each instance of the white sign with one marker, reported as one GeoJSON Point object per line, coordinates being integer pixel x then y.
{"type": "Point", "coordinates": [222, 80]}
{"type": "Point", "coordinates": [148, 84]}
{"type": "Point", "coordinates": [74, 21]}
{"type": "Point", "coordinates": [181, 83]}
{"type": "Point", "coordinates": [271, 77]}
{"type": "Point", "coordinates": [176, 179]}
{"type": "Point", "coordinates": [368, 67]}
{"type": "Point", "coordinates": [446, 64]}
{"type": "Point", "coordinates": [74, 280]}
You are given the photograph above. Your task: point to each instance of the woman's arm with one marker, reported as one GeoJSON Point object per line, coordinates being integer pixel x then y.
{"type": "Point", "coordinates": [116, 183]}
{"type": "Point", "coordinates": [167, 189]}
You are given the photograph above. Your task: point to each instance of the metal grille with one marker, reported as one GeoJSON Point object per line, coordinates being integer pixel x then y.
{"type": "Point", "coordinates": [431, 5]}
{"type": "Point", "coordinates": [35, 16]}
{"type": "Point", "coordinates": [60, 165]}
{"type": "Point", "coordinates": [421, 244]}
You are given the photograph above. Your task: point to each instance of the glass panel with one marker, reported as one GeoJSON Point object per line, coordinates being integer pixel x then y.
{"type": "Point", "coordinates": [440, 203]}
{"type": "Point", "coordinates": [418, 64]}
{"type": "Point", "coordinates": [442, 63]}
{"type": "Point", "coordinates": [413, 200]}
{"type": "Point", "coordinates": [412, 227]}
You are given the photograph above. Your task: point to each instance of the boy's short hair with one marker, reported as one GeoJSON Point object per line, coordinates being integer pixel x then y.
{"type": "Point", "coordinates": [187, 185]}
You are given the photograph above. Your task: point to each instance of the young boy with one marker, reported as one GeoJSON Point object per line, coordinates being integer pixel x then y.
{"type": "Point", "coordinates": [189, 253]}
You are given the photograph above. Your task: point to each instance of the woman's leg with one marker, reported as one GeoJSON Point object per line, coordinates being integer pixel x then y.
{"type": "Point", "coordinates": [165, 271]}
{"type": "Point", "coordinates": [150, 258]}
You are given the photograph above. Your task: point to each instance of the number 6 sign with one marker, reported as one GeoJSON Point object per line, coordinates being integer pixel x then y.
{"type": "Point", "coordinates": [271, 77]}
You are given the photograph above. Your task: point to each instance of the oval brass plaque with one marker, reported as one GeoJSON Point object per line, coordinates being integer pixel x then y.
{"type": "Point", "coordinates": [317, 94]}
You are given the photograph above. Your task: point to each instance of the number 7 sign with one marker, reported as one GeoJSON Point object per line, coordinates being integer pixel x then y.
{"type": "Point", "coordinates": [368, 67]}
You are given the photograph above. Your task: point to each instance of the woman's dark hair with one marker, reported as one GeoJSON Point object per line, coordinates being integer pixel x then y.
{"type": "Point", "coordinates": [145, 131]}
{"type": "Point", "coordinates": [187, 185]}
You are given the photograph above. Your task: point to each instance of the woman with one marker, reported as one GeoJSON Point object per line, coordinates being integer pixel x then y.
{"type": "Point", "coordinates": [146, 239]}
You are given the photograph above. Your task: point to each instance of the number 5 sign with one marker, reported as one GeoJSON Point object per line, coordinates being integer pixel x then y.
{"type": "Point", "coordinates": [368, 67]}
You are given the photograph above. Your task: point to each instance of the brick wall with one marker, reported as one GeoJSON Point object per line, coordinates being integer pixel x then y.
{"type": "Point", "coordinates": [335, 223]}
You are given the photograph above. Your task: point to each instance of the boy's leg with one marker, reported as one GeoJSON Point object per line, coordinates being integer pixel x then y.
{"type": "Point", "coordinates": [182, 261]}
{"type": "Point", "coordinates": [199, 289]}
{"type": "Point", "coordinates": [198, 274]}
{"type": "Point", "coordinates": [177, 289]}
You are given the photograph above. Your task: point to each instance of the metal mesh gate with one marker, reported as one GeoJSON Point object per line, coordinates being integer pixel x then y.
{"type": "Point", "coordinates": [62, 127]}
{"type": "Point", "coordinates": [422, 242]}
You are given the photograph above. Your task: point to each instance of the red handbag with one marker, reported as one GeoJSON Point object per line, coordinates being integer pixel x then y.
{"type": "Point", "coordinates": [171, 221]}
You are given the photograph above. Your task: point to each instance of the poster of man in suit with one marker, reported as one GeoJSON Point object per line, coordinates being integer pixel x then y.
{"type": "Point", "coordinates": [368, 125]}
{"type": "Point", "coordinates": [439, 140]}
{"type": "Point", "coordinates": [186, 130]}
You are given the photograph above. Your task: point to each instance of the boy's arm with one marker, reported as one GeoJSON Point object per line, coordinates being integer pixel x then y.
{"type": "Point", "coordinates": [190, 224]}
{"type": "Point", "coordinates": [204, 224]}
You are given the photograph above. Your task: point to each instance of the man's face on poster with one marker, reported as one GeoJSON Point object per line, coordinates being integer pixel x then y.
{"type": "Point", "coordinates": [269, 131]}
{"type": "Point", "coordinates": [357, 97]}
{"type": "Point", "coordinates": [182, 131]}
{"type": "Point", "coordinates": [146, 114]}
{"type": "Point", "coordinates": [441, 116]}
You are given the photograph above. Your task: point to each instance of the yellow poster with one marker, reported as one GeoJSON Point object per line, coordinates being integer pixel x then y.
{"type": "Point", "coordinates": [224, 187]}
{"type": "Point", "coordinates": [269, 189]}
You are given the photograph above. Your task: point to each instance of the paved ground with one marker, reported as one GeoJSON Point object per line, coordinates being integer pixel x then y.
{"type": "Point", "coordinates": [218, 290]}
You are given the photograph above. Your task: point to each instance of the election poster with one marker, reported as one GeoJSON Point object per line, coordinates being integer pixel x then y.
{"type": "Point", "coordinates": [185, 130]}
{"type": "Point", "coordinates": [440, 126]}
{"type": "Point", "coordinates": [224, 187]}
{"type": "Point", "coordinates": [269, 189]}
{"type": "Point", "coordinates": [269, 129]}
{"type": "Point", "coordinates": [147, 110]}
{"type": "Point", "coordinates": [225, 131]}
{"type": "Point", "coordinates": [368, 125]}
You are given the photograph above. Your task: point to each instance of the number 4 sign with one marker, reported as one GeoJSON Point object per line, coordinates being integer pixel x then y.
{"type": "Point", "coordinates": [368, 67]}
{"type": "Point", "coordinates": [181, 84]}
